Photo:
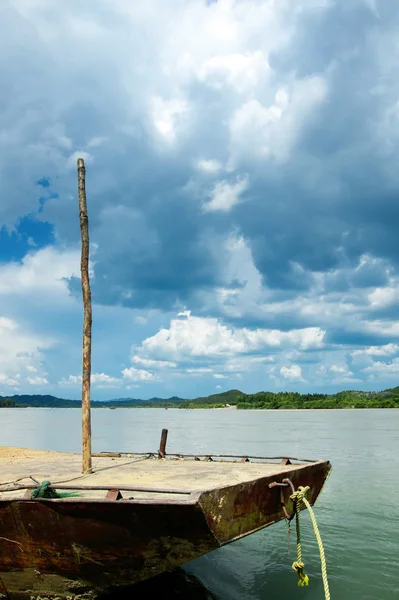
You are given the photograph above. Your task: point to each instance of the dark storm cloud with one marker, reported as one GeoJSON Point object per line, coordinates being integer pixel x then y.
{"type": "Point", "coordinates": [326, 200]}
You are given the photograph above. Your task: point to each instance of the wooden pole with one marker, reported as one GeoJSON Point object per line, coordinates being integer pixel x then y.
{"type": "Point", "coordinates": [87, 319]}
{"type": "Point", "coordinates": [162, 446]}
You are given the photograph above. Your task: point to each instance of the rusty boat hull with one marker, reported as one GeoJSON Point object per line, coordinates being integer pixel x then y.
{"type": "Point", "coordinates": [117, 533]}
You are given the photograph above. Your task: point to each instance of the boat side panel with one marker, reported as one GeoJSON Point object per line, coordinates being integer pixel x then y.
{"type": "Point", "coordinates": [236, 511]}
{"type": "Point", "coordinates": [99, 544]}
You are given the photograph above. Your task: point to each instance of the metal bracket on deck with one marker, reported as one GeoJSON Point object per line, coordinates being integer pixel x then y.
{"type": "Point", "coordinates": [113, 494]}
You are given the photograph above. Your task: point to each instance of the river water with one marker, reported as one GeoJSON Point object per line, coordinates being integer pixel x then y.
{"type": "Point", "coordinates": [358, 511]}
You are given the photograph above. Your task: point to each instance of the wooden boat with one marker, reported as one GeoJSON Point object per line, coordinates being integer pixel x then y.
{"type": "Point", "coordinates": [135, 516]}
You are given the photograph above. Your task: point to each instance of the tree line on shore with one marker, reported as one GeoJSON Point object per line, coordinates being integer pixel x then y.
{"type": "Point", "coordinates": [261, 400]}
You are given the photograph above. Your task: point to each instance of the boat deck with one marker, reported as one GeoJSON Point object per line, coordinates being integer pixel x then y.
{"type": "Point", "coordinates": [137, 477]}
{"type": "Point", "coordinates": [134, 516]}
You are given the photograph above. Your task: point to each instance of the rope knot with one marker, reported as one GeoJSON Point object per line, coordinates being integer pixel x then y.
{"type": "Point", "coordinates": [44, 491]}
{"type": "Point", "coordinates": [300, 494]}
{"type": "Point", "coordinates": [303, 580]}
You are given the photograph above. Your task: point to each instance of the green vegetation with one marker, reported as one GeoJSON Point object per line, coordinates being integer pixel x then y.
{"type": "Point", "coordinates": [7, 403]}
{"type": "Point", "coordinates": [214, 401]}
{"type": "Point", "coordinates": [346, 399]}
{"type": "Point", "coordinates": [262, 400]}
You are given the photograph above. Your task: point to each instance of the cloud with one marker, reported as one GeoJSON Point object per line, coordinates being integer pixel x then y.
{"type": "Point", "coordinates": [252, 178]}
{"type": "Point", "coordinates": [133, 374]}
{"type": "Point", "coordinates": [42, 271]}
{"type": "Point", "coordinates": [190, 336]}
{"type": "Point", "coordinates": [37, 380]}
{"type": "Point", "coordinates": [172, 115]}
{"type": "Point", "coordinates": [103, 379]}
{"type": "Point", "coordinates": [21, 355]}
{"type": "Point", "coordinates": [97, 379]}
{"type": "Point", "coordinates": [340, 369]}
{"type": "Point", "coordinates": [147, 362]}
{"type": "Point", "coordinates": [271, 131]}
{"type": "Point", "coordinates": [166, 115]}
{"type": "Point", "coordinates": [386, 350]}
{"type": "Point", "coordinates": [240, 71]}
{"type": "Point", "coordinates": [225, 195]}
{"type": "Point", "coordinates": [382, 369]}
{"type": "Point", "coordinates": [292, 373]}
{"type": "Point", "coordinates": [209, 165]}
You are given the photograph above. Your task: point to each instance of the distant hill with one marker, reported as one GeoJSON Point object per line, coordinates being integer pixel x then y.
{"type": "Point", "coordinates": [229, 397]}
{"type": "Point", "coordinates": [266, 400]}
{"type": "Point", "coordinates": [45, 401]}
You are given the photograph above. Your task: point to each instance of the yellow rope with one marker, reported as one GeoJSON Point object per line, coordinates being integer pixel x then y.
{"type": "Point", "coordinates": [298, 497]}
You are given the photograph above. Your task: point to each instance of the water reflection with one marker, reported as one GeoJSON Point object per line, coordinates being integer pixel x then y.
{"type": "Point", "coordinates": [356, 512]}
{"type": "Point", "coordinates": [168, 586]}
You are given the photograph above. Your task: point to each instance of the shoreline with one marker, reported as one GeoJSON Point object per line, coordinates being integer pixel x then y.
{"type": "Point", "coordinates": [229, 408]}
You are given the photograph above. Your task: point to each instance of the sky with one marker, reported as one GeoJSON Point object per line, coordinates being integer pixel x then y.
{"type": "Point", "coordinates": [242, 188]}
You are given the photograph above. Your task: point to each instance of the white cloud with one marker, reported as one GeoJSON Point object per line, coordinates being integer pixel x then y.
{"type": "Point", "coordinates": [37, 380]}
{"type": "Point", "coordinates": [385, 350]}
{"type": "Point", "coordinates": [72, 380]}
{"type": "Point", "coordinates": [226, 195]}
{"type": "Point", "coordinates": [219, 376]}
{"type": "Point", "coordinates": [21, 354]}
{"type": "Point", "coordinates": [340, 369]}
{"type": "Point", "coordinates": [9, 381]}
{"type": "Point", "coordinates": [383, 297]}
{"type": "Point", "coordinates": [241, 71]}
{"type": "Point", "coordinates": [270, 131]}
{"type": "Point", "coordinates": [104, 379]}
{"type": "Point", "coordinates": [97, 379]}
{"type": "Point", "coordinates": [133, 374]}
{"type": "Point", "coordinates": [382, 369]}
{"type": "Point", "coordinates": [210, 166]}
{"type": "Point", "coordinates": [292, 373]}
{"type": "Point", "coordinates": [167, 116]}
{"type": "Point", "coordinates": [147, 362]}
{"type": "Point", "coordinates": [41, 272]}
{"type": "Point", "coordinates": [190, 336]}
{"type": "Point", "coordinates": [389, 328]}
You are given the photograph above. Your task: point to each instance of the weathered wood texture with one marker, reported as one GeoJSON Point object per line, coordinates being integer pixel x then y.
{"type": "Point", "coordinates": [87, 319]}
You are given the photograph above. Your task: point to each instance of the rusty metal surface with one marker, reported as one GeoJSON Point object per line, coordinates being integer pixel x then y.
{"type": "Point", "coordinates": [62, 544]}
{"type": "Point", "coordinates": [102, 544]}
{"type": "Point", "coordinates": [237, 511]}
